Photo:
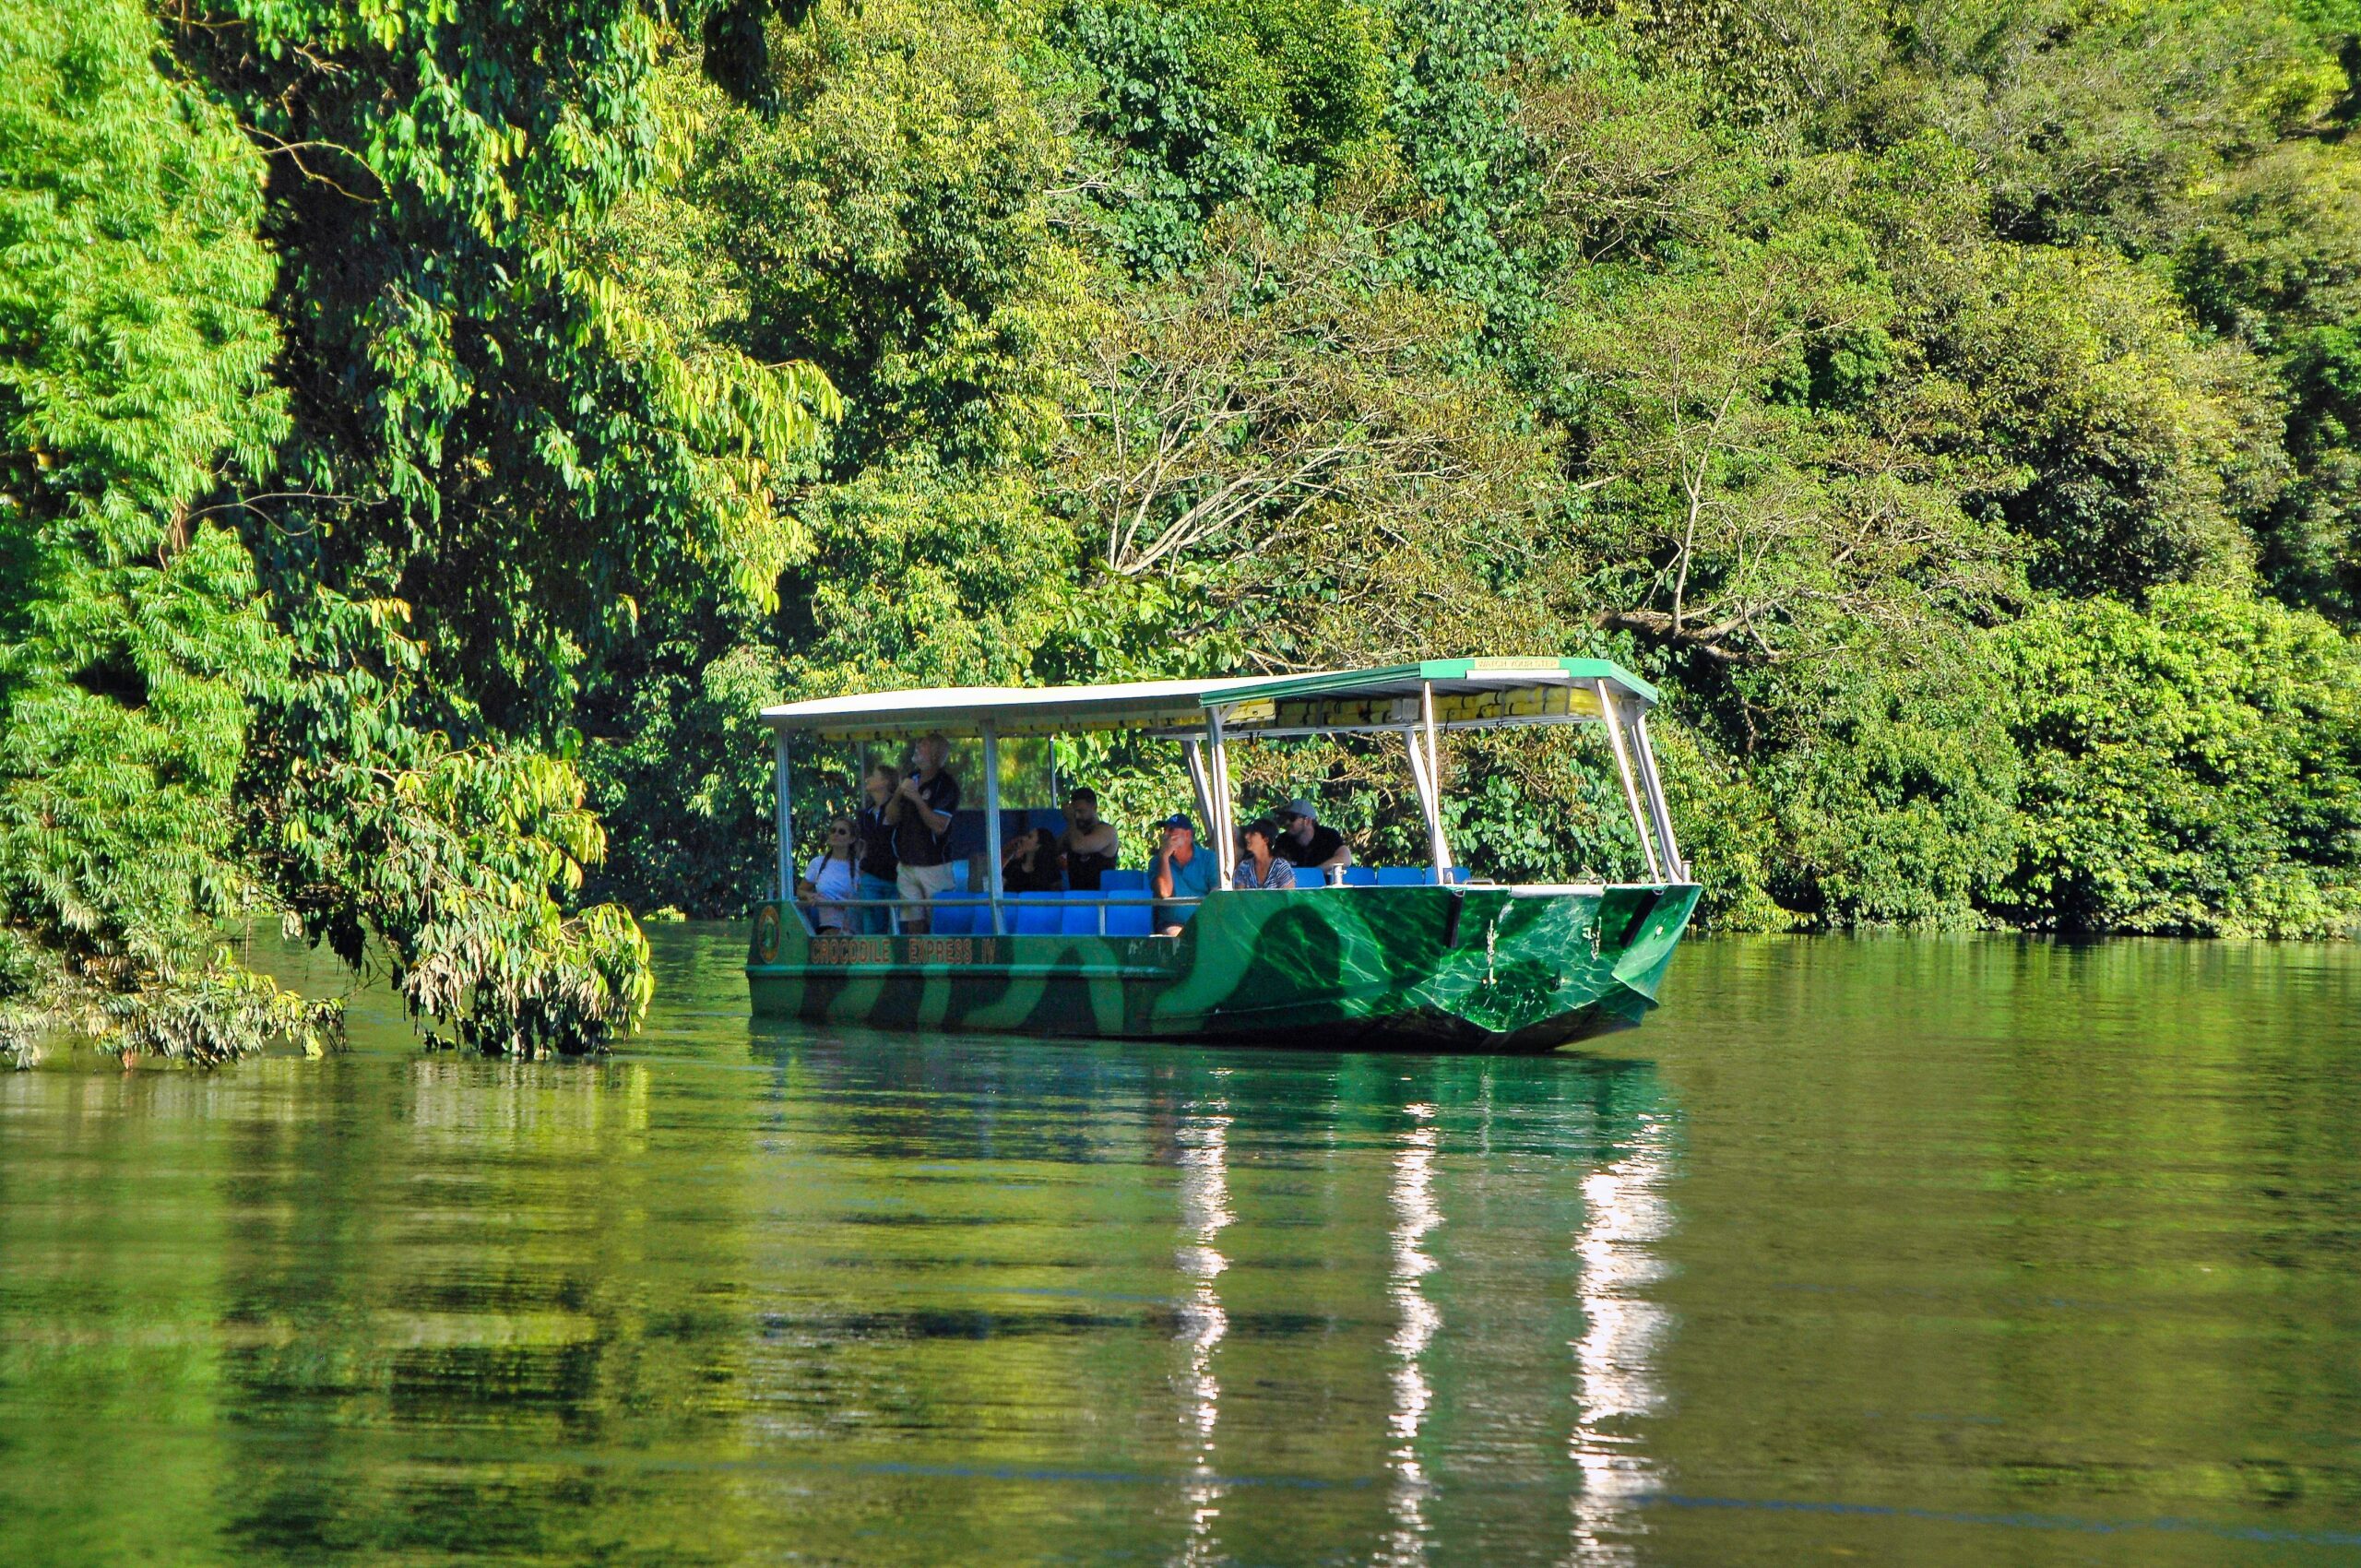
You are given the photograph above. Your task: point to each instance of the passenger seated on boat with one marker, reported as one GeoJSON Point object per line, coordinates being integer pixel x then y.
{"type": "Point", "coordinates": [920, 812]}
{"type": "Point", "coordinates": [1180, 872]}
{"type": "Point", "coordinates": [874, 878]}
{"type": "Point", "coordinates": [1305, 844]}
{"type": "Point", "coordinates": [1088, 844]}
{"type": "Point", "coordinates": [1030, 863]}
{"type": "Point", "coordinates": [1259, 861]}
{"type": "Point", "coordinates": [831, 876]}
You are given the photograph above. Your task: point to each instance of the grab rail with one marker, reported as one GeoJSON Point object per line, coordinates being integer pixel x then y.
{"type": "Point", "coordinates": [967, 901]}
{"type": "Point", "coordinates": [970, 902]}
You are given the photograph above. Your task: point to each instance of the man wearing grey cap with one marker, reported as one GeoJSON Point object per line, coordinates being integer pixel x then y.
{"type": "Point", "coordinates": [1306, 845]}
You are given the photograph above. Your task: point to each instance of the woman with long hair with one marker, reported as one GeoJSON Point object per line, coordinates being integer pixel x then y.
{"type": "Point", "coordinates": [1030, 863]}
{"type": "Point", "coordinates": [831, 874]}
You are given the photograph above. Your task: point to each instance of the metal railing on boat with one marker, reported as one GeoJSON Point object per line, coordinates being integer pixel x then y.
{"type": "Point", "coordinates": [971, 914]}
{"type": "Point", "coordinates": [1055, 913]}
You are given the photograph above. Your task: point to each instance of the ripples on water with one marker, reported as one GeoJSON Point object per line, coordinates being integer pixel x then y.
{"type": "Point", "coordinates": [1949, 1252]}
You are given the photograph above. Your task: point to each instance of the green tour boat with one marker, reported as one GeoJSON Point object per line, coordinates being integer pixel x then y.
{"type": "Point", "coordinates": [1417, 958]}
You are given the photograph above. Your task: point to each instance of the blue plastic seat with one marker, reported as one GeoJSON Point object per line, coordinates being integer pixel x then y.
{"type": "Point", "coordinates": [948, 917]}
{"type": "Point", "coordinates": [959, 876]}
{"type": "Point", "coordinates": [1400, 876]}
{"type": "Point", "coordinates": [1118, 880]}
{"type": "Point", "coordinates": [1079, 916]}
{"type": "Point", "coordinates": [1456, 875]}
{"type": "Point", "coordinates": [1359, 877]}
{"type": "Point", "coordinates": [1037, 914]}
{"type": "Point", "coordinates": [1127, 919]}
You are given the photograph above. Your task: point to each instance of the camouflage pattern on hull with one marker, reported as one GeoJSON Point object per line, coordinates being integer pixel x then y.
{"type": "Point", "coordinates": [1425, 969]}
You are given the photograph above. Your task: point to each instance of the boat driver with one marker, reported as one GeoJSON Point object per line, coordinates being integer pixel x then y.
{"type": "Point", "coordinates": [1180, 871]}
{"type": "Point", "coordinates": [1307, 846]}
{"type": "Point", "coordinates": [1088, 843]}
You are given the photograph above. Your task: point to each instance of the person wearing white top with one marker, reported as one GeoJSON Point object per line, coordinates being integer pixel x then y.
{"type": "Point", "coordinates": [831, 876]}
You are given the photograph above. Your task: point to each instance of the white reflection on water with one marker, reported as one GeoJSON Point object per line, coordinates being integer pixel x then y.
{"type": "Point", "coordinates": [1615, 1371]}
{"type": "Point", "coordinates": [1415, 1214]}
{"type": "Point", "coordinates": [1205, 1211]}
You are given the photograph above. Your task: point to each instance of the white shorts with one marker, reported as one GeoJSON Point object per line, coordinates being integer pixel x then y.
{"type": "Point", "coordinates": [919, 883]}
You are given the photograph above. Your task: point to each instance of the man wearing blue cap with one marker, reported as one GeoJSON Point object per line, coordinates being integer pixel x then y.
{"type": "Point", "coordinates": [1180, 872]}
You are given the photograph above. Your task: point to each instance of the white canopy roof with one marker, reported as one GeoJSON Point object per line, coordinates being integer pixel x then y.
{"type": "Point", "coordinates": [1012, 710]}
{"type": "Point", "coordinates": [1468, 693]}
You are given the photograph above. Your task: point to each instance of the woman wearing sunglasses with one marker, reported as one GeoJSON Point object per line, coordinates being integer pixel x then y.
{"type": "Point", "coordinates": [831, 876]}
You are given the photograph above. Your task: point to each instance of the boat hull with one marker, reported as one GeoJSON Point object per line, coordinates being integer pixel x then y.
{"type": "Point", "coordinates": [1416, 968]}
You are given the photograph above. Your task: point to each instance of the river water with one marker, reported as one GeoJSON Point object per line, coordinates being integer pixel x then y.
{"type": "Point", "coordinates": [1941, 1253]}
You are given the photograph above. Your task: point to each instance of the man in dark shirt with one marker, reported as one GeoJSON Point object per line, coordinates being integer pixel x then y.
{"type": "Point", "coordinates": [921, 814]}
{"type": "Point", "coordinates": [1088, 843]}
{"type": "Point", "coordinates": [1306, 845]}
{"type": "Point", "coordinates": [877, 863]}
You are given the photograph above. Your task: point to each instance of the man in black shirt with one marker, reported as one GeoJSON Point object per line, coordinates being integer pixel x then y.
{"type": "Point", "coordinates": [877, 864]}
{"type": "Point", "coordinates": [1088, 843]}
{"type": "Point", "coordinates": [1306, 845]}
{"type": "Point", "coordinates": [921, 814]}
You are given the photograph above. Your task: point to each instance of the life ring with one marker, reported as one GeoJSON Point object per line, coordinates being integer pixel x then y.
{"type": "Point", "coordinates": [767, 934]}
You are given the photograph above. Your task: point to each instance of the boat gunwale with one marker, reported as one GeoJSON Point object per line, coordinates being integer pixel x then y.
{"type": "Point", "coordinates": [1026, 967]}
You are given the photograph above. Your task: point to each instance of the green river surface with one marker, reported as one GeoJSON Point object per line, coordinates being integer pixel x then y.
{"type": "Point", "coordinates": [1889, 1250]}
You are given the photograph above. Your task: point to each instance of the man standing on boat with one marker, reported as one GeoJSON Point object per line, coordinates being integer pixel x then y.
{"type": "Point", "coordinates": [1306, 845]}
{"type": "Point", "coordinates": [1180, 872]}
{"type": "Point", "coordinates": [920, 812]}
{"type": "Point", "coordinates": [875, 829]}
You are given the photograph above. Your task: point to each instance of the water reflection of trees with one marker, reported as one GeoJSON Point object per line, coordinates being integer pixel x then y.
{"type": "Point", "coordinates": [477, 1276]}
{"type": "Point", "coordinates": [915, 1301]}
{"type": "Point", "coordinates": [1237, 1304]}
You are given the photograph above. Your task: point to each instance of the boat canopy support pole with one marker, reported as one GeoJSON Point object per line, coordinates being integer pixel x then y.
{"type": "Point", "coordinates": [1225, 841]}
{"type": "Point", "coordinates": [991, 820]}
{"type": "Point", "coordinates": [1656, 807]}
{"type": "Point", "coordinates": [786, 832]}
{"type": "Point", "coordinates": [1420, 780]}
{"type": "Point", "coordinates": [1611, 711]}
{"type": "Point", "coordinates": [1195, 751]}
{"type": "Point", "coordinates": [1436, 843]}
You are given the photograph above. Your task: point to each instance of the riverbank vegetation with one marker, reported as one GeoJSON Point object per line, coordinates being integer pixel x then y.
{"type": "Point", "coordinates": [432, 431]}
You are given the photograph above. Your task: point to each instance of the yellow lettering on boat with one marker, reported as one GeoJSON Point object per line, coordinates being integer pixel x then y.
{"type": "Point", "coordinates": [851, 950]}
{"type": "Point", "coordinates": [943, 950]}
{"type": "Point", "coordinates": [880, 950]}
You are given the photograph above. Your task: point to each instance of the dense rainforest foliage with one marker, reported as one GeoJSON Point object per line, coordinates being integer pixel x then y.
{"type": "Point", "coordinates": [432, 431]}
